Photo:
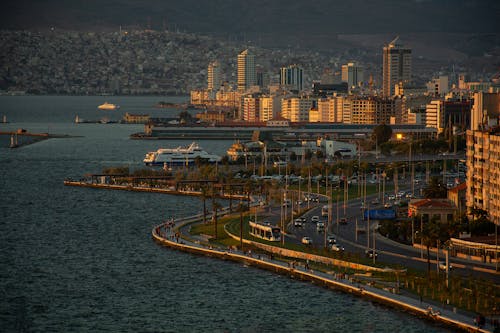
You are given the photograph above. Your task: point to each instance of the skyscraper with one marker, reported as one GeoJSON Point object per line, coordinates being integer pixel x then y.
{"type": "Point", "coordinates": [352, 73]}
{"type": "Point", "coordinates": [396, 66]}
{"type": "Point", "coordinates": [247, 76]}
{"type": "Point", "coordinates": [214, 76]}
{"type": "Point", "coordinates": [292, 77]}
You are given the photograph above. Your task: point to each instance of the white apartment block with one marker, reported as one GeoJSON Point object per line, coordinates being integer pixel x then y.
{"type": "Point", "coordinates": [270, 107]}
{"type": "Point", "coordinates": [483, 171]}
{"type": "Point", "coordinates": [296, 109]}
{"type": "Point", "coordinates": [251, 108]}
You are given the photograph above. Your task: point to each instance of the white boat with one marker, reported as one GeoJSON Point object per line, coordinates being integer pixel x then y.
{"type": "Point", "coordinates": [180, 156]}
{"type": "Point", "coordinates": [108, 106]}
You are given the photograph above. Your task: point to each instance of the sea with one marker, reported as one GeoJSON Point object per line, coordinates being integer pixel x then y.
{"type": "Point", "coordinates": [83, 260]}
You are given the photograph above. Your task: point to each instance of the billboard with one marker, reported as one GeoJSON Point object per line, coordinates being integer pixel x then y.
{"type": "Point", "coordinates": [380, 214]}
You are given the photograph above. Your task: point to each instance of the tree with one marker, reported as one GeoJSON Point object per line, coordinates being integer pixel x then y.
{"type": "Point", "coordinates": [435, 189]}
{"type": "Point", "coordinates": [381, 133]}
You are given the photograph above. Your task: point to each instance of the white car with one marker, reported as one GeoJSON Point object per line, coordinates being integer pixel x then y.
{"type": "Point", "coordinates": [337, 248]}
{"type": "Point", "coordinates": [306, 240]}
{"type": "Point", "coordinates": [315, 219]}
{"type": "Point", "coordinates": [297, 222]}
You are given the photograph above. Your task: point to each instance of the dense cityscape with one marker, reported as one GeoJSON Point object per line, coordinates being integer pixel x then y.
{"type": "Point", "coordinates": [371, 167]}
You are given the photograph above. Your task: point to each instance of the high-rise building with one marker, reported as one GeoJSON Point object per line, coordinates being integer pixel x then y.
{"type": "Point", "coordinates": [352, 73]}
{"type": "Point", "coordinates": [214, 76]}
{"type": "Point", "coordinates": [483, 171]}
{"type": "Point", "coordinates": [247, 76]}
{"type": "Point", "coordinates": [292, 77]}
{"type": "Point", "coordinates": [251, 108]}
{"type": "Point", "coordinates": [396, 66]}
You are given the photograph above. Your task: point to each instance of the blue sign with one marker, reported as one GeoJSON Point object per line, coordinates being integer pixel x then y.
{"type": "Point", "coordinates": [380, 214]}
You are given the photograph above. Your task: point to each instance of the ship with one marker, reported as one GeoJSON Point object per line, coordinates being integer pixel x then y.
{"type": "Point", "coordinates": [180, 156]}
{"type": "Point", "coordinates": [108, 106]}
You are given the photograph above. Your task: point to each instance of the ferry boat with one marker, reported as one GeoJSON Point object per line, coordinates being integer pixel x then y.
{"type": "Point", "coordinates": [179, 156]}
{"type": "Point", "coordinates": [108, 106]}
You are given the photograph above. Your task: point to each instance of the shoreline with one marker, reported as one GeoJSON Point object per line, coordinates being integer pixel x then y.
{"type": "Point", "coordinates": [171, 237]}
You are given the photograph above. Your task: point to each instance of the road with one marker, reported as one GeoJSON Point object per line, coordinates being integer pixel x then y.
{"type": "Point", "coordinates": [388, 251]}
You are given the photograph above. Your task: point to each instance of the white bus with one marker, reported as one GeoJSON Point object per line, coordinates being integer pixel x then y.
{"type": "Point", "coordinates": [265, 231]}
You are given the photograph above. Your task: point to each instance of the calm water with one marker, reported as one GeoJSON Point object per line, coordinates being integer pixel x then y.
{"type": "Point", "coordinates": [82, 260]}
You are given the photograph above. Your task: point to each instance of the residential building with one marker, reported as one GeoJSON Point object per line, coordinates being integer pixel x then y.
{"type": "Point", "coordinates": [251, 108]}
{"type": "Point", "coordinates": [485, 110]}
{"type": "Point", "coordinates": [442, 210]}
{"type": "Point", "coordinates": [396, 66]}
{"type": "Point", "coordinates": [296, 109]}
{"type": "Point", "coordinates": [438, 86]}
{"type": "Point", "coordinates": [483, 171]}
{"type": "Point", "coordinates": [270, 107]}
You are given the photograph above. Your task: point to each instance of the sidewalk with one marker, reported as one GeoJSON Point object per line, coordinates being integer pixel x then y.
{"type": "Point", "coordinates": [431, 311]}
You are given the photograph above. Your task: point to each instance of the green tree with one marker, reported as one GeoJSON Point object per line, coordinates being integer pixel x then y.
{"type": "Point", "coordinates": [382, 133]}
{"type": "Point", "coordinates": [435, 189]}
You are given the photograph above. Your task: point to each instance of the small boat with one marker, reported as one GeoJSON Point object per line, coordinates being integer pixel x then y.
{"type": "Point", "coordinates": [108, 106]}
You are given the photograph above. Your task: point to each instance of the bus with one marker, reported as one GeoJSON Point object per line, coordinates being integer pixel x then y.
{"type": "Point", "coordinates": [265, 231]}
{"type": "Point", "coordinates": [324, 210]}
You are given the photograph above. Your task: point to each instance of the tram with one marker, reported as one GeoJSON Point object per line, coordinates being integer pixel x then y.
{"type": "Point", "coordinates": [265, 231]}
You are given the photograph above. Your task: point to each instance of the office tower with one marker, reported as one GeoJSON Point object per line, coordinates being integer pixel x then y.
{"type": "Point", "coordinates": [247, 76]}
{"type": "Point", "coordinates": [396, 66]}
{"type": "Point", "coordinates": [214, 76]}
{"type": "Point", "coordinates": [291, 77]}
{"type": "Point", "coordinates": [352, 74]}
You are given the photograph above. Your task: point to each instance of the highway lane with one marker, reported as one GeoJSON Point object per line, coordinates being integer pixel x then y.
{"type": "Point", "coordinates": [388, 251]}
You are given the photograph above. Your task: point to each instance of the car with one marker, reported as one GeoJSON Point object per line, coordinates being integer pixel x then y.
{"type": "Point", "coordinates": [297, 222]}
{"type": "Point", "coordinates": [388, 205]}
{"type": "Point", "coordinates": [320, 226]}
{"type": "Point", "coordinates": [375, 201]}
{"type": "Point", "coordinates": [337, 248]}
{"type": "Point", "coordinates": [315, 219]}
{"type": "Point", "coordinates": [331, 239]}
{"type": "Point", "coordinates": [391, 197]}
{"type": "Point", "coordinates": [306, 240]}
{"type": "Point", "coordinates": [370, 253]}
{"type": "Point", "coordinates": [343, 220]}
{"type": "Point", "coordinates": [442, 266]}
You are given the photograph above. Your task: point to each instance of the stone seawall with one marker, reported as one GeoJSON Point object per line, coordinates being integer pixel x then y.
{"type": "Point", "coordinates": [321, 279]}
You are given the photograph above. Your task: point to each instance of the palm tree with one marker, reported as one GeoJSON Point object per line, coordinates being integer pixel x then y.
{"type": "Point", "coordinates": [215, 206]}
{"type": "Point", "coordinates": [430, 233]}
{"type": "Point", "coordinates": [241, 208]}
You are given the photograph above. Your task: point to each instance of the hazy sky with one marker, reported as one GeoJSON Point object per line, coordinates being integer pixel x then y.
{"type": "Point", "coordinates": [286, 17]}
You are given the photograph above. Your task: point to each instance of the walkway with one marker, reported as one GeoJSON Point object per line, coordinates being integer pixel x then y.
{"type": "Point", "coordinates": [170, 235]}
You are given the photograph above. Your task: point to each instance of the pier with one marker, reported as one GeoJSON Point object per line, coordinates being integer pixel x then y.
{"type": "Point", "coordinates": [21, 137]}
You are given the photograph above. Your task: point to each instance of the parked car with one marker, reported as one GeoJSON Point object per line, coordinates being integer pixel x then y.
{"type": "Point", "coordinates": [306, 240]}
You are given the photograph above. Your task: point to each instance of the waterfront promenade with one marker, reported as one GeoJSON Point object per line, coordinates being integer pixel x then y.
{"type": "Point", "coordinates": [175, 236]}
